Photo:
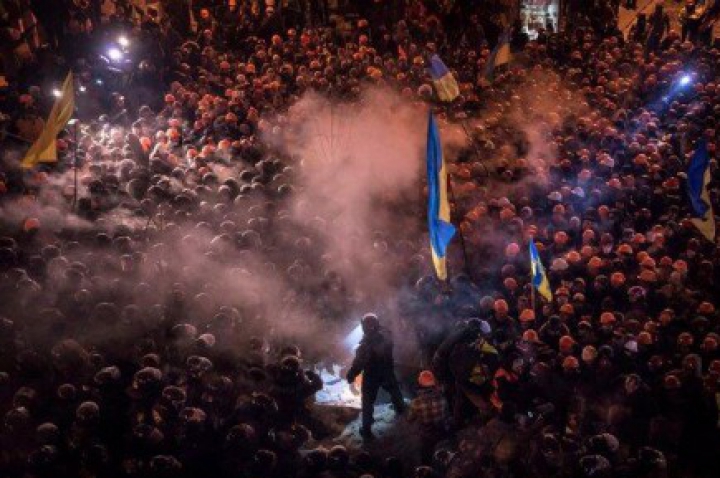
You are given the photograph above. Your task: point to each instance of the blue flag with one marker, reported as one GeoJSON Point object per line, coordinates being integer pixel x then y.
{"type": "Point", "coordinates": [698, 178]}
{"type": "Point", "coordinates": [500, 55]}
{"type": "Point", "coordinates": [539, 279]}
{"type": "Point", "coordinates": [439, 226]}
{"type": "Point", "coordinates": [445, 85]}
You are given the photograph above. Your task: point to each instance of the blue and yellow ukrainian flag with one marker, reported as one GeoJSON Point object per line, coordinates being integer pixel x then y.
{"type": "Point", "coordinates": [439, 226]}
{"type": "Point", "coordinates": [500, 55]}
{"type": "Point", "coordinates": [445, 85]}
{"type": "Point", "coordinates": [698, 177]}
{"type": "Point", "coordinates": [44, 149]}
{"type": "Point", "coordinates": [539, 279]}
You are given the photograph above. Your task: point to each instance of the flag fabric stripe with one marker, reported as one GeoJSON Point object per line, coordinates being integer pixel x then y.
{"type": "Point", "coordinates": [698, 178]}
{"type": "Point", "coordinates": [539, 279]}
{"type": "Point", "coordinates": [440, 228]}
{"type": "Point", "coordinates": [437, 67]}
{"type": "Point", "coordinates": [445, 84]}
{"type": "Point", "coordinates": [44, 149]}
{"type": "Point", "coordinates": [500, 55]}
{"type": "Point", "coordinates": [503, 54]}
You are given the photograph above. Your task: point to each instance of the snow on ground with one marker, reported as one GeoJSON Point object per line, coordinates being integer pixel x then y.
{"type": "Point", "coordinates": [338, 404]}
{"type": "Point", "coordinates": [394, 436]}
{"type": "Point", "coordinates": [384, 423]}
{"type": "Point", "coordinates": [336, 391]}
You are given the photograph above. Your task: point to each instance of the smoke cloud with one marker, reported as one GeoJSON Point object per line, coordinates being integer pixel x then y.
{"type": "Point", "coordinates": [349, 239]}
{"type": "Point", "coordinates": [290, 268]}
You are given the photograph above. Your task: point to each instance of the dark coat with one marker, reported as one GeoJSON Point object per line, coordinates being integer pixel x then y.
{"type": "Point", "coordinates": [373, 358]}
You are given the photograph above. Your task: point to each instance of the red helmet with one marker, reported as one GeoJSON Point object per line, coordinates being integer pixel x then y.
{"type": "Point", "coordinates": [644, 338]}
{"type": "Point", "coordinates": [671, 382]}
{"type": "Point", "coordinates": [566, 343]}
{"type": "Point", "coordinates": [532, 336]}
{"type": "Point", "coordinates": [570, 363]}
{"type": "Point", "coordinates": [426, 379]}
{"type": "Point", "coordinates": [685, 339]}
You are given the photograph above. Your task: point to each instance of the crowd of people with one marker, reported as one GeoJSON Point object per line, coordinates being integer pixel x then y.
{"type": "Point", "coordinates": [124, 351]}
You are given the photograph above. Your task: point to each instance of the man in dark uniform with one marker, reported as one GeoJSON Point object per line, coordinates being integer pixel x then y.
{"type": "Point", "coordinates": [374, 359]}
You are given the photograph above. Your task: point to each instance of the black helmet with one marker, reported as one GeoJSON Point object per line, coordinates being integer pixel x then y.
{"type": "Point", "coordinates": [370, 322]}
{"type": "Point", "coordinates": [264, 462]}
{"type": "Point", "coordinates": [87, 412]}
{"type": "Point", "coordinates": [165, 465]}
{"type": "Point", "coordinates": [425, 472]}
{"type": "Point", "coordinates": [594, 466]}
{"type": "Point", "coordinates": [292, 349]}
{"type": "Point", "coordinates": [240, 437]}
{"type": "Point", "coordinates": [290, 364]}
{"type": "Point", "coordinates": [316, 460]}
{"type": "Point", "coordinates": [47, 433]}
{"type": "Point", "coordinates": [338, 457]}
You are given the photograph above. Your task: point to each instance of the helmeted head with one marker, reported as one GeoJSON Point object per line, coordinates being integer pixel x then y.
{"type": "Point", "coordinates": [370, 323]}
{"type": "Point", "coordinates": [426, 379]}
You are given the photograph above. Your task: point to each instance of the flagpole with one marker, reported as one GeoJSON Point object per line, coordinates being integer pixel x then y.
{"type": "Point", "coordinates": [463, 123]}
{"type": "Point", "coordinates": [532, 295]}
{"type": "Point", "coordinates": [459, 229]}
{"type": "Point", "coordinates": [75, 174]}
{"type": "Point", "coordinates": [75, 125]}
{"type": "Point", "coordinates": [533, 291]}
{"type": "Point", "coordinates": [459, 220]}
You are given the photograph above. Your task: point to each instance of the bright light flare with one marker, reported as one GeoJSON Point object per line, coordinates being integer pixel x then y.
{"type": "Point", "coordinates": [352, 340]}
{"type": "Point", "coordinates": [56, 93]}
{"type": "Point", "coordinates": [115, 54]}
{"type": "Point", "coordinates": [82, 89]}
{"type": "Point", "coordinates": [685, 80]}
{"type": "Point", "coordinates": [336, 391]}
{"type": "Point", "coordinates": [123, 41]}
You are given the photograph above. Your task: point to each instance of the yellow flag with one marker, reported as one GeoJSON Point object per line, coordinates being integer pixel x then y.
{"type": "Point", "coordinates": [44, 150]}
{"type": "Point", "coordinates": [539, 278]}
